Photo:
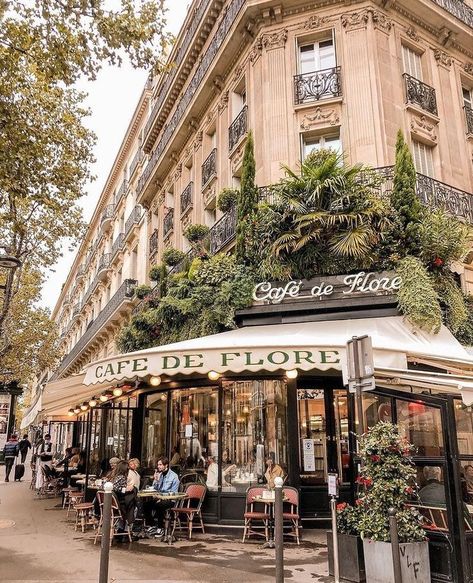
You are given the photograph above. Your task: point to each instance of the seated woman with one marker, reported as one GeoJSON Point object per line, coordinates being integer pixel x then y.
{"type": "Point", "coordinates": [125, 496]}
{"type": "Point", "coordinates": [273, 470]}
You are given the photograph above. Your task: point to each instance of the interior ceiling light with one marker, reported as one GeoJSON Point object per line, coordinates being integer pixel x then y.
{"type": "Point", "coordinates": [103, 397]}
{"type": "Point", "coordinates": [84, 406]}
{"type": "Point", "coordinates": [155, 381]}
{"type": "Point", "coordinates": [117, 392]}
{"type": "Point", "coordinates": [213, 375]}
{"type": "Point", "coordinates": [292, 374]}
{"type": "Point", "coordinates": [70, 412]}
{"type": "Point", "coordinates": [93, 402]}
{"type": "Point", "coordinates": [76, 409]}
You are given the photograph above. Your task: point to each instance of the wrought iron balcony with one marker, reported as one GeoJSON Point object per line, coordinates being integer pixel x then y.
{"type": "Point", "coordinates": [132, 220]}
{"type": "Point", "coordinates": [223, 231]}
{"type": "Point", "coordinates": [104, 262]}
{"type": "Point", "coordinates": [317, 85]}
{"type": "Point", "coordinates": [238, 128]}
{"type": "Point", "coordinates": [186, 198]}
{"type": "Point", "coordinates": [124, 293]}
{"type": "Point", "coordinates": [209, 168]}
{"type": "Point", "coordinates": [153, 243]}
{"type": "Point", "coordinates": [120, 192]}
{"type": "Point", "coordinates": [76, 310]}
{"type": "Point", "coordinates": [118, 245]}
{"type": "Point", "coordinates": [469, 119]}
{"type": "Point", "coordinates": [168, 222]}
{"type": "Point", "coordinates": [420, 94]}
{"type": "Point", "coordinates": [459, 9]}
{"type": "Point", "coordinates": [107, 215]}
{"type": "Point", "coordinates": [136, 160]}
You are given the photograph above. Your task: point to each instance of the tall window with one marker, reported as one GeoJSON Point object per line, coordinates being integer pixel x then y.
{"type": "Point", "coordinates": [467, 97]}
{"type": "Point", "coordinates": [423, 158]}
{"type": "Point", "coordinates": [316, 56]}
{"type": "Point", "coordinates": [309, 144]}
{"type": "Point", "coordinates": [412, 63]}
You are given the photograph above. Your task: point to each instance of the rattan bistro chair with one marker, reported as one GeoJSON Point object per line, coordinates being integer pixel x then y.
{"type": "Point", "coordinates": [190, 507]}
{"type": "Point", "coordinates": [291, 511]}
{"type": "Point", "coordinates": [116, 518]}
{"type": "Point", "coordinates": [254, 515]}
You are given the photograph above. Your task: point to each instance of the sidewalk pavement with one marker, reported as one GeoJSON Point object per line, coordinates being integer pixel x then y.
{"type": "Point", "coordinates": [38, 543]}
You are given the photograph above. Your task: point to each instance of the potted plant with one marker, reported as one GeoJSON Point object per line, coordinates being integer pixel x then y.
{"type": "Point", "coordinates": [350, 545]}
{"type": "Point", "coordinates": [387, 480]}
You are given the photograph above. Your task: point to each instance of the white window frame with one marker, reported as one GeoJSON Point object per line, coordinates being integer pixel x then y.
{"type": "Point", "coordinates": [315, 44]}
{"type": "Point", "coordinates": [423, 158]}
{"type": "Point", "coordinates": [320, 142]}
{"type": "Point", "coordinates": [412, 62]}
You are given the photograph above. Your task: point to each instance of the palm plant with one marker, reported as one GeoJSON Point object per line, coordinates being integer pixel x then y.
{"type": "Point", "coordinates": [333, 208]}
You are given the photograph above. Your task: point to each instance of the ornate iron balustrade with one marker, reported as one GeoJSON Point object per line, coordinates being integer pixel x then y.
{"type": "Point", "coordinates": [121, 191]}
{"type": "Point", "coordinates": [209, 167]}
{"type": "Point", "coordinates": [267, 194]}
{"type": "Point", "coordinates": [133, 219]}
{"type": "Point", "coordinates": [420, 94]}
{"type": "Point", "coordinates": [125, 292]}
{"type": "Point", "coordinates": [190, 255]}
{"type": "Point", "coordinates": [168, 222]}
{"type": "Point", "coordinates": [186, 198]}
{"type": "Point", "coordinates": [223, 231]}
{"type": "Point", "coordinates": [220, 36]}
{"type": "Point", "coordinates": [107, 213]}
{"type": "Point", "coordinates": [118, 244]}
{"type": "Point", "coordinates": [76, 309]}
{"type": "Point", "coordinates": [459, 9]}
{"type": "Point", "coordinates": [104, 262]}
{"type": "Point", "coordinates": [180, 53]}
{"type": "Point", "coordinates": [153, 243]}
{"type": "Point", "coordinates": [136, 160]}
{"type": "Point", "coordinates": [317, 85]}
{"type": "Point", "coordinates": [469, 119]}
{"type": "Point", "coordinates": [238, 128]}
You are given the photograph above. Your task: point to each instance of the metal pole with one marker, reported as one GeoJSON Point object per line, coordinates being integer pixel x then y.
{"type": "Point", "coordinates": [278, 529]}
{"type": "Point", "coordinates": [360, 428]}
{"type": "Point", "coordinates": [336, 568]}
{"type": "Point", "coordinates": [395, 545]}
{"type": "Point", "coordinates": [106, 528]}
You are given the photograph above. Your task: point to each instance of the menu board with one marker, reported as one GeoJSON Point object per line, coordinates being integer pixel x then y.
{"type": "Point", "coordinates": [5, 403]}
{"type": "Point", "coordinates": [308, 455]}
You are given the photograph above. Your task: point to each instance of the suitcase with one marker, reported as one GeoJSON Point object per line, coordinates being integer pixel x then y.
{"type": "Point", "coordinates": [19, 471]}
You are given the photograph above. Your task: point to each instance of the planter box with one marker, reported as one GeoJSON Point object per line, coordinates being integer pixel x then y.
{"type": "Point", "coordinates": [350, 557]}
{"type": "Point", "coordinates": [415, 565]}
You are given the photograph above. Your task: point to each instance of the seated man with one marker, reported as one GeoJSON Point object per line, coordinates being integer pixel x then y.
{"type": "Point", "coordinates": [433, 493]}
{"type": "Point", "coordinates": [165, 481]}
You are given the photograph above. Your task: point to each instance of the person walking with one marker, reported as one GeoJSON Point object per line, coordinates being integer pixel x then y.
{"type": "Point", "coordinates": [10, 452]}
{"type": "Point", "coordinates": [24, 446]}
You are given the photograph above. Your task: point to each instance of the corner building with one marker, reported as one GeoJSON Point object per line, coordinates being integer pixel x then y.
{"type": "Point", "coordinates": [301, 75]}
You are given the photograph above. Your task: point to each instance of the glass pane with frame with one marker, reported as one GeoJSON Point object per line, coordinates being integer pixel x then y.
{"type": "Point", "coordinates": [312, 435]}
{"type": "Point", "coordinates": [421, 425]}
{"type": "Point", "coordinates": [154, 429]}
{"type": "Point", "coordinates": [342, 434]}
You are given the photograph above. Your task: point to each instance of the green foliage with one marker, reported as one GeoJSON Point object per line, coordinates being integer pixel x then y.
{"type": "Point", "coordinates": [417, 296]}
{"type": "Point", "coordinates": [141, 291]}
{"type": "Point", "coordinates": [388, 477]}
{"type": "Point", "coordinates": [452, 300]}
{"type": "Point", "coordinates": [173, 256]}
{"type": "Point", "coordinates": [158, 272]}
{"type": "Point", "coordinates": [247, 200]}
{"type": "Point", "coordinates": [465, 332]}
{"type": "Point", "coordinates": [443, 238]}
{"type": "Point", "coordinates": [217, 269]}
{"type": "Point", "coordinates": [196, 233]}
{"type": "Point", "coordinates": [227, 199]}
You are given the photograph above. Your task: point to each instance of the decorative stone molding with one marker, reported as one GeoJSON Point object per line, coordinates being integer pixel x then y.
{"type": "Point", "coordinates": [237, 73]}
{"type": "Point", "coordinates": [446, 37]}
{"type": "Point", "coordinates": [424, 128]}
{"type": "Point", "coordinates": [381, 21]}
{"type": "Point", "coordinates": [468, 68]}
{"type": "Point", "coordinates": [198, 140]}
{"type": "Point", "coordinates": [315, 22]}
{"type": "Point", "coordinates": [161, 198]}
{"type": "Point", "coordinates": [355, 20]}
{"type": "Point", "coordinates": [210, 197]}
{"type": "Point", "coordinates": [178, 172]}
{"type": "Point", "coordinates": [443, 58]}
{"type": "Point", "coordinates": [411, 32]}
{"type": "Point", "coordinates": [223, 103]}
{"type": "Point", "coordinates": [186, 221]}
{"type": "Point", "coordinates": [256, 50]}
{"type": "Point", "coordinates": [320, 116]}
{"type": "Point", "coordinates": [274, 40]}
{"type": "Point", "coordinates": [237, 157]}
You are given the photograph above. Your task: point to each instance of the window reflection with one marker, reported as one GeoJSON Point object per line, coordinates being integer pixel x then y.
{"type": "Point", "coordinates": [313, 434]}
{"type": "Point", "coordinates": [376, 408]}
{"type": "Point", "coordinates": [422, 426]}
{"type": "Point", "coordinates": [254, 415]}
{"type": "Point", "coordinates": [464, 421]}
{"type": "Point", "coordinates": [154, 431]}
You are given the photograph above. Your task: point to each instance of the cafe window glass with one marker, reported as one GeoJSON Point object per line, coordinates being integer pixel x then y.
{"type": "Point", "coordinates": [194, 430]}
{"type": "Point", "coordinates": [118, 432]}
{"type": "Point", "coordinates": [376, 408]}
{"type": "Point", "coordinates": [464, 422]}
{"type": "Point", "coordinates": [421, 425]}
{"type": "Point", "coordinates": [254, 430]}
{"type": "Point", "coordinates": [313, 434]}
{"type": "Point", "coordinates": [154, 430]}
{"type": "Point", "coordinates": [342, 434]}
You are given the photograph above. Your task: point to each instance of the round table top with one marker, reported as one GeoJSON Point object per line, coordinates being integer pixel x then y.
{"type": "Point", "coordinates": [267, 500]}
{"type": "Point", "coordinates": [162, 496]}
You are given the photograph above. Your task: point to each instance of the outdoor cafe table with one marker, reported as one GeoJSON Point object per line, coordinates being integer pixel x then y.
{"type": "Point", "coordinates": [269, 502]}
{"type": "Point", "coordinates": [168, 535]}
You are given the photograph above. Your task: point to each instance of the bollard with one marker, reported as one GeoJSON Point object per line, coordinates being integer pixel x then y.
{"type": "Point", "coordinates": [106, 529]}
{"type": "Point", "coordinates": [278, 529]}
{"type": "Point", "coordinates": [336, 568]}
{"type": "Point", "coordinates": [395, 545]}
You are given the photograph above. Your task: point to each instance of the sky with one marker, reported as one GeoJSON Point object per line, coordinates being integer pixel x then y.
{"type": "Point", "coordinates": [112, 99]}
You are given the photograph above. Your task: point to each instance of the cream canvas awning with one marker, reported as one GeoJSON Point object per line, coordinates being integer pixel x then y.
{"type": "Point", "coordinates": [305, 346]}
{"type": "Point", "coordinates": [59, 396]}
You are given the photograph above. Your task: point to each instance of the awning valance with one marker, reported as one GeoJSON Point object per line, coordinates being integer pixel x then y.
{"type": "Point", "coordinates": [30, 416]}
{"type": "Point", "coordinates": [59, 396]}
{"type": "Point", "coordinates": [305, 346]}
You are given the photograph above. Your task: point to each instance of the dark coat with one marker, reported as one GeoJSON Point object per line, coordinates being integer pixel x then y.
{"type": "Point", "coordinates": [11, 449]}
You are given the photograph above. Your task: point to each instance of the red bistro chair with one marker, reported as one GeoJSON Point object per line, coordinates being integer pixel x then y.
{"type": "Point", "coordinates": [291, 510]}
{"type": "Point", "coordinates": [253, 514]}
{"type": "Point", "coordinates": [116, 518]}
{"type": "Point", "coordinates": [190, 507]}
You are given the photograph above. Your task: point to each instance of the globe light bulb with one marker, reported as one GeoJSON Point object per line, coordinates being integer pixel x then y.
{"type": "Point", "coordinates": [117, 392]}
{"type": "Point", "coordinates": [93, 402]}
{"type": "Point", "coordinates": [103, 397]}
{"type": "Point", "coordinates": [70, 412]}
{"type": "Point", "coordinates": [292, 374]}
{"type": "Point", "coordinates": [155, 381]}
{"type": "Point", "coordinates": [76, 409]}
{"type": "Point", "coordinates": [213, 375]}
{"type": "Point", "coordinates": [84, 407]}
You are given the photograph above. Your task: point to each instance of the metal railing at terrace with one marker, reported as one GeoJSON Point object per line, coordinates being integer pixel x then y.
{"type": "Point", "coordinates": [209, 168]}
{"type": "Point", "coordinates": [238, 128]}
{"type": "Point", "coordinates": [223, 231]}
{"type": "Point", "coordinates": [133, 219]}
{"type": "Point", "coordinates": [104, 262]}
{"type": "Point", "coordinates": [168, 222]}
{"type": "Point", "coordinates": [153, 243]}
{"type": "Point", "coordinates": [136, 160]}
{"type": "Point", "coordinates": [118, 244]}
{"type": "Point", "coordinates": [317, 85]}
{"type": "Point", "coordinates": [459, 9]}
{"type": "Point", "coordinates": [107, 213]}
{"type": "Point", "coordinates": [120, 192]}
{"type": "Point", "coordinates": [124, 293]}
{"type": "Point", "coordinates": [186, 198]}
{"type": "Point", "coordinates": [468, 119]}
{"type": "Point", "coordinates": [421, 94]}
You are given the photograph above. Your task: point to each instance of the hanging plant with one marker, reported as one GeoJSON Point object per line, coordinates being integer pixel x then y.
{"type": "Point", "coordinates": [173, 256]}
{"type": "Point", "coordinates": [196, 233]}
{"type": "Point", "coordinates": [227, 199]}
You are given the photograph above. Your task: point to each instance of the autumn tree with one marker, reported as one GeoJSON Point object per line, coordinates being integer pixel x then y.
{"type": "Point", "coordinates": [45, 149]}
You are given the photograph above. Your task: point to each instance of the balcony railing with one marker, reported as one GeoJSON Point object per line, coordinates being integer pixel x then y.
{"type": "Point", "coordinates": [136, 160]}
{"type": "Point", "coordinates": [125, 292]}
{"type": "Point", "coordinates": [317, 85]}
{"type": "Point", "coordinates": [209, 168]}
{"type": "Point", "coordinates": [76, 309]}
{"type": "Point", "coordinates": [186, 198]}
{"type": "Point", "coordinates": [118, 244]}
{"type": "Point", "coordinates": [469, 119]}
{"type": "Point", "coordinates": [168, 223]}
{"type": "Point", "coordinates": [420, 94]}
{"type": "Point", "coordinates": [223, 231]}
{"type": "Point", "coordinates": [107, 214]}
{"type": "Point", "coordinates": [133, 220]}
{"type": "Point", "coordinates": [120, 192]}
{"type": "Point", "coordinates": [153, 243]}
{"type": "Point", "coordinates": [104, 262]}
{"type": "Point", "coordinates": [459, 9]}
{"type": "Point", "coordinates": [238, 128]}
